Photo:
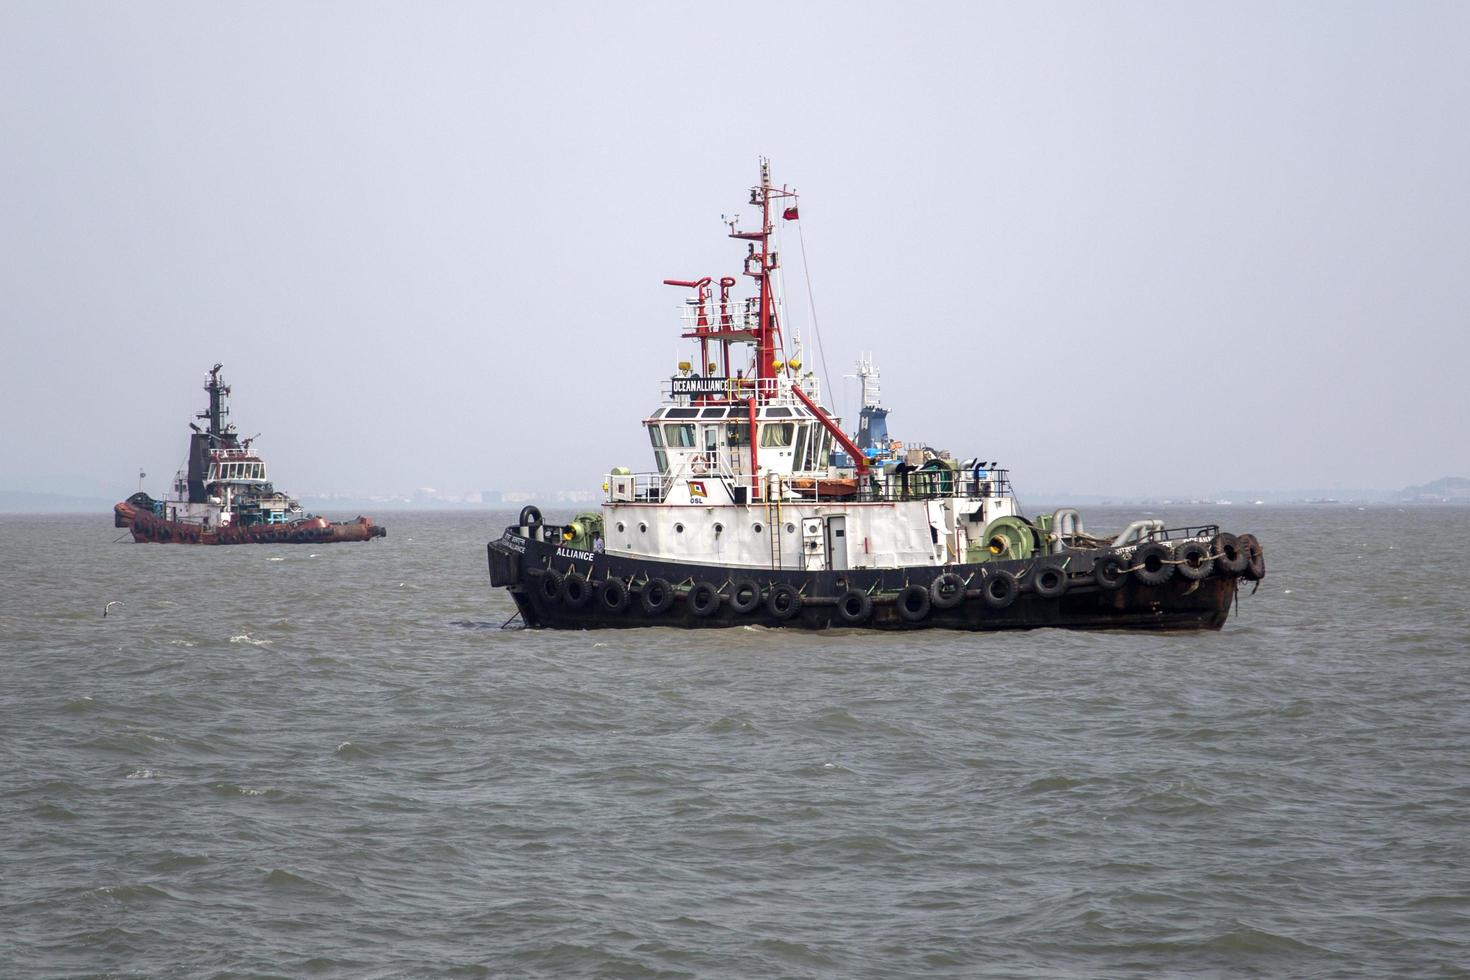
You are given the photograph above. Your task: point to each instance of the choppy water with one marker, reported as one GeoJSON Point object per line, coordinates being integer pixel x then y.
{"type": "Point", "coordinates": [329, 761]}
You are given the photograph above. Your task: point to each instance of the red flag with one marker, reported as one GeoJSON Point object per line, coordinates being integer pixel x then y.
{"type": "Point", "coordinates": [790, 214]}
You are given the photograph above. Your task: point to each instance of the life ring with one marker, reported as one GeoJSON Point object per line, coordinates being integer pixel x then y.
{"type": "Point", "coordinates": [1232, 558]}
{"type": "Point", "coordinates": [574, 591]}
{"type": "Point", "coordinates": [784, 601]}
{"type": "Point", "coordinates": [745, 595]}
{"type": "Point", "coordinates": [1109, 571]}
{"type": "Point", "coordinates": [999, 589]}
{"type": "Point", "coordinates": [947, 591]}
{"type": "Point", "coordinates": [703, 599]}
{"type": "Point", "coordinates": [913, 603]}
{"type": "Point", "coordinates": [656, 596]}
{"type": "Point", "coordinates": [1255, 569]}
{"type": "Point", "coordinates": [1153, 563]}
{"type": "Point", "coordinates": [1194, 560]}
{"type": "Point", "coordinates": [551, 585]}
{"type": "Point", "coordinates": [1049, 581]}
{"type": "Point", "coordinates": [854, 607]}
{"type": "Point", "coordinates": [530, 517]}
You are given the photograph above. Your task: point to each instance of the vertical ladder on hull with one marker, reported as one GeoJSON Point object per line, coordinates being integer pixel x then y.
{"type": "Point", "coordinates": [773, 517]}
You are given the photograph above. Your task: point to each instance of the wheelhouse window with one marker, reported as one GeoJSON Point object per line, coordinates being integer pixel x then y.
{"type": "Point", "coordinates": [776, 434]}
{"type": "Point", "coordinates": [737, 433]}
{"type": "Point", "coordinates": [656, 436]}
{"type": "Point", "coordinates": [679, 436]}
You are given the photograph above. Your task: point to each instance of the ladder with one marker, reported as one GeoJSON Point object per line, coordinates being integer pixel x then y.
{"type": "Point", "coordinates": [773, 516]}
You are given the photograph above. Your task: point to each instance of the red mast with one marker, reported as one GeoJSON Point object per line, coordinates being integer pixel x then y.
{"type": "Point", "coordinates": [760, 262]}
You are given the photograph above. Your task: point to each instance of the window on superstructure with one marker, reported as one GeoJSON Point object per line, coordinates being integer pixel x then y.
{"type": "Point", "coordinates": [655, 436]}
{"type": "Point", "coordinates": [776, 434]}
{"type": "Point", "coordinates": [798, 458]}
{"type": "Point", "coordinates": [680, 436]}
{"type": "Point", "coordinates": [737, 433]}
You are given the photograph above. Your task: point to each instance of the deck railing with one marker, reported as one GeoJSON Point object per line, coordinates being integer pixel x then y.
{"type": "Point", "coordinates": [694, 390]}
{"type": "Point", "coordinates": [876, 487]}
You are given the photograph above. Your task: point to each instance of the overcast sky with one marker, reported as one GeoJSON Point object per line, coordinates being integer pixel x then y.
{"type": "Point", "coordinates": [1124, 248]}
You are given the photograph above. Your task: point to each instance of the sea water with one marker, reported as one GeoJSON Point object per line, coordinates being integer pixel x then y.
{"type": "Point", "coordinates": [331, 761]}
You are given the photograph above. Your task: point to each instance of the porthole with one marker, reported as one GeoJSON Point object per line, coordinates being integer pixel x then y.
{"type": "Point", "coordinates": [642, 528]}
{"type": "Point", "coordinates": [678, 528]}
{"type": "Point", "coordinates": [719, 528]}
{"type": "Point", "coordinates": [621, 527]}
{"type": "Point", "coordinates": [790, 528]}
{"type": "Point", "coordinates": [756, 528]}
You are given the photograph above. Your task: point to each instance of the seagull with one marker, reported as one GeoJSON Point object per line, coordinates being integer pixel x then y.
{"type": "Point", "coordinates": [114, 602]}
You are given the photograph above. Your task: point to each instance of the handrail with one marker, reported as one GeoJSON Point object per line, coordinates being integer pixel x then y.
{"type": "Point", "coordinates": [881, 487]}
{"type": "Point", "coordinates": [735, 390]}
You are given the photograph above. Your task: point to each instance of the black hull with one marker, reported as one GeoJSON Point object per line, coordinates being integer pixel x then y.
{"type": "Point", "coordinates": [521, 564]}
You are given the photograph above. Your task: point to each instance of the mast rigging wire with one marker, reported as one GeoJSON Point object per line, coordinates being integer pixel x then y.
{"type": "Point", "coordinates": [812, 304]}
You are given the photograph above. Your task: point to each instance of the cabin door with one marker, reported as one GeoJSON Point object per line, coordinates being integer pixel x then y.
{"type": "Point", "coordinates": [837, 543]}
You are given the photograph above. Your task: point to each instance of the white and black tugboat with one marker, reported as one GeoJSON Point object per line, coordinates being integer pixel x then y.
{"type": "Point", "coordinates": [762, 510]}
{"type": "Point", "coordinates": [223, 495]}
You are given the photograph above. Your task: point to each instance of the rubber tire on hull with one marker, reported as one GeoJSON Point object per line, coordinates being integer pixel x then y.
{"type": "Point", "coordinates": [1194, 561]}
{"type": "Point", "coordinates": [947, 591]}
{"type": "Point", "coordinates": [913, 604]}
{"type": "Point", "coordinates": [1109, 571]}
{"type": "Point", "coordinates": [656, 596]}
{"type": "Point", "coordinates": [575, 591]}
{"type": "Point", "coordinates": [1049, 581]}
{"type": "Point", "coordinates": [854, 607]}
{"type": "Point", "coordinates": [612, 596]}
{"type": "Point", "coordinates": [1153, 563]}
{"type": "Point", "coordinates": [999, 589]}
{"type": "Point", "coordinates": [745, 595]}
{"type": "Point", "coordinates": [783, 602]}
{"type": "Point", "coordinates": [551, 586]}
{"type": "Point", "coordinates": [703, 599]}
{"type": "Point", "coordinates": [1233, 559]}
{"type": "Point", "coordinates": [1255, 569]}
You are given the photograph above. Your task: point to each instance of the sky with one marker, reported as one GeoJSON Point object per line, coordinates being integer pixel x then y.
{"type": "Point", "coordinates": [1125, 248]}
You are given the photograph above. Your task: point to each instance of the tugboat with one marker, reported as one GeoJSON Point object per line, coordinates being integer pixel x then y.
{"type": "Point", "coordinates": [762, 510]}
{"type": "Point", "coordinates": [225, 497]}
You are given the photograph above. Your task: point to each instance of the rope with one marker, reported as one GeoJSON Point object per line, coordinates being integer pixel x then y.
{"type": "Point", "coordinates": [1177, 561]}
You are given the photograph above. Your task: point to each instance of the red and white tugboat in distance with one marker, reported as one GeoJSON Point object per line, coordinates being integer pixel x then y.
{"type": "Point", "coordinates": [762, 510]}
{"type": "Point", "coordinates": [224, 496]}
